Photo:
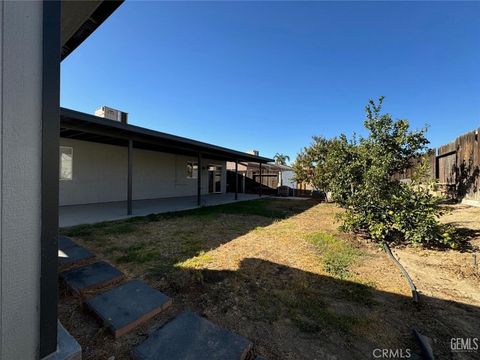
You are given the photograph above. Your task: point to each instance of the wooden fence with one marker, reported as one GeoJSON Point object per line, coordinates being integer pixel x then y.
{"type": "Point", "coordinates": [456, 166]}
{"type": "Point", "coordinates": [250, 183]}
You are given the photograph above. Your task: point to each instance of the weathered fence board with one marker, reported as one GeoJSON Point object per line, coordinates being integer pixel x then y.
{"type": "Point", "coordinates": [456, 166]}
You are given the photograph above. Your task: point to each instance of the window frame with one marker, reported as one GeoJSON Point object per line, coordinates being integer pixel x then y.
{"type": "Point", "coordinates": [194, 169]}
{"type": "Point", "coordinates": [60, 165]}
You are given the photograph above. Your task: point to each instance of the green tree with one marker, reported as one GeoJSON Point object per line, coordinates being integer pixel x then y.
{"type": "Point", "coordinates": [281, 159]}
{"type": "Point", "coordinates": [310, 165]}
{"type": "Point", "coordinates": [359, 172]}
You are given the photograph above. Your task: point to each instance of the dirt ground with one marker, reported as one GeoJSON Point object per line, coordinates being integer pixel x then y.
{"type": "Point", "coordinates": [449, 274]}
{"type": "Point", "coordinates": [281, 274]}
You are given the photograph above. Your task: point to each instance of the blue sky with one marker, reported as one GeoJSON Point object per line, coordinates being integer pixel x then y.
{"type": "Point", "coordinates": [268, 76]}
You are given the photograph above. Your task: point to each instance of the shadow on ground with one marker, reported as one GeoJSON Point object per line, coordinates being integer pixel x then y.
{"type": "Point", "coordinates": [159, 241]}
{"type": "Point", "coordinates": [288, 313]}
{"type": "Point", "coordinates": [293, 314]}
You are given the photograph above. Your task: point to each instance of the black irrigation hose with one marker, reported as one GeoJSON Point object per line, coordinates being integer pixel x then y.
{"type": "Point", "coordinates": [425, 345]}
{"type": "Point", "coordinates": [424, 341]}
{"type": "Point", "coordinates": [404, 272]}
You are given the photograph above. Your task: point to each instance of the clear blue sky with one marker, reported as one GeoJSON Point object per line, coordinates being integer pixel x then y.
{"type": "Point", "coordinates": [268, 76]}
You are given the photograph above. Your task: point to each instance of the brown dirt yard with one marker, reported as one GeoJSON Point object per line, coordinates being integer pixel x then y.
{"type": "Point", "coordinates": [280, 273]}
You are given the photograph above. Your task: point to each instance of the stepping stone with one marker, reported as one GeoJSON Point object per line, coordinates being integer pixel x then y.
{"type": "Point", "coordinates": [64, 242]}
{"type": "Point", "coordinates": [127, 306]}
{"type": "Point", "coordinates": [190, 336]}
{"type": "Point", "coordinates": [91, 276]}
{"type": "Point", "coordinates": [73, 255]}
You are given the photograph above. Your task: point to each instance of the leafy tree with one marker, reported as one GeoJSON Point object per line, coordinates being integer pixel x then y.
{"type": "Point", "coordinates": [359, 172]}
{"type": "Point", "coordinates": [310, 166]}
{"type": "Point", "coordinates": [281, 159]}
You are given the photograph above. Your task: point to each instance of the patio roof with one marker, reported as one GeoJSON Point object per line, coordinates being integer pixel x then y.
{"type": "Point", "coordinates": [79, 19]}
{"type": "Point", "coordinates": [82, 126]}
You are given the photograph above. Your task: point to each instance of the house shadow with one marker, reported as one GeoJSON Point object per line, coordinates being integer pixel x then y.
{"type": "Point", "coordinates": [285, 311]}
{"type": "Point", "coordinates": [290, 313]}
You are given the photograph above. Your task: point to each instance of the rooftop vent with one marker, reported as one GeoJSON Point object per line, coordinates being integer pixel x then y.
{"type": "Point", "coordinates": [254, 152]}
{"type": "Point", "coordinates": [112, 114]}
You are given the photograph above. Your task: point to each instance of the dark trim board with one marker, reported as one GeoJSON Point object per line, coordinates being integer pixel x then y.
{"type": "Point", "coordinates": [199, 179]}
{"type": "Point", "coordinates": [129, 178]}
{"type": "Point", "coordinates": [49, 177]}
{"type": "Point", "coordinates": [236, 179]}
{"type": "Point", "coordinates": [446, 154]}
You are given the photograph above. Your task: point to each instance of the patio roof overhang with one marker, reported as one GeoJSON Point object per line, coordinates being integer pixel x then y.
{"type": "Point", "coordinates": [79, 19]}
{"type": "Point", "coordinates": [82, 126]}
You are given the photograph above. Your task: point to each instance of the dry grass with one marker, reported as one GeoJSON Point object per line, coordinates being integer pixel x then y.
{"type": "Point", "coordinates": [276, 271]}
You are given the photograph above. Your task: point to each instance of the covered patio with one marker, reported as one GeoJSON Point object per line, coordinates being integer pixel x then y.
{"type": "Point", "coordinates": [78, 126]}
{"type": "Point", "coordinates": [93, 213]}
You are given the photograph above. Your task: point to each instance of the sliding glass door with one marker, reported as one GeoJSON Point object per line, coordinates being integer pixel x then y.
{"type": "Point", "coordinates": [214, 179]}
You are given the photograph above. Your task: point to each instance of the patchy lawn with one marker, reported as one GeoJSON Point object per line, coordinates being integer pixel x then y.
{"type": "Point", "coordinates": [280, 273]}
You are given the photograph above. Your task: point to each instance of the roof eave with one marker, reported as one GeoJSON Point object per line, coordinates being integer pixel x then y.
{"type": "Point", "coordinates": [79, 19]}
{"type": "Point", "coordinates": [113, 126]}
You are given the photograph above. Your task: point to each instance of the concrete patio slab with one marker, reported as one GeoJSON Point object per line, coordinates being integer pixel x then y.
{"type": "Point", "coordinates": [64, 242]}
{"type": "Point", "coordinates": [127, 306]}
{"type": "Point", "coordinates": [92, 276]}
{"type": "Point", "coordinates": [189, 336]}
{"type": "Point", "coordinates": [73, 255]}
{"type": "Point", "coordinates": [67, 347]}
{"type": "Point", "coordinates": [71, 215]}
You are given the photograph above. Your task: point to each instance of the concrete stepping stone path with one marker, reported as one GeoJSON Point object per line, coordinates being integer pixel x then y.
{"type": "Point", "coordinates": [189, 336]}
{"type": "Point", "coordinates": [73, 255]}
{"type": "Point", "coordinates": [64, 242]}
{"type": "Point", "coordinates": [70, 253]}
{"type": "Point", "coordinates": [90, 277]}
{"type": "Point", "coordinates": [127, 306]}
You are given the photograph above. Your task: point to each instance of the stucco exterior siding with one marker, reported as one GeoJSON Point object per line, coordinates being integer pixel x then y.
{"type": "Point", "coordinates": [20, 177]}
{"type": "Point", "coordinates": [100, 174]}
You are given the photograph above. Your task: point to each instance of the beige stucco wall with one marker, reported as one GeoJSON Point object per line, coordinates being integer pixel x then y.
{"type": "Point", "coordinates": [100, 174]}
{"type": "Point", "coordinates": [20, 177]}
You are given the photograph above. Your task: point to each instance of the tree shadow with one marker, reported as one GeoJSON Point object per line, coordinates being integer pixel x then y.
{"type": "Point", "coordinates": [463, 243]}
{"type": "Point", "coordinates": [294, 314]}
{"type": "Point", "coordinates": [466, 235]}
{"type": "Point", "coordinates": [463, 180]}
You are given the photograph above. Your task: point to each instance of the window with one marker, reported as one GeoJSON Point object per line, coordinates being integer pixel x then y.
{"type": "Point", "coordinates": [66, 163]}
{"type": "Point", "coordinates": [192, 170]}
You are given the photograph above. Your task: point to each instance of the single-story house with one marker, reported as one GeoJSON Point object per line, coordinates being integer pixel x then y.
{"type": "Point", "coordinates": [104, 160]}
